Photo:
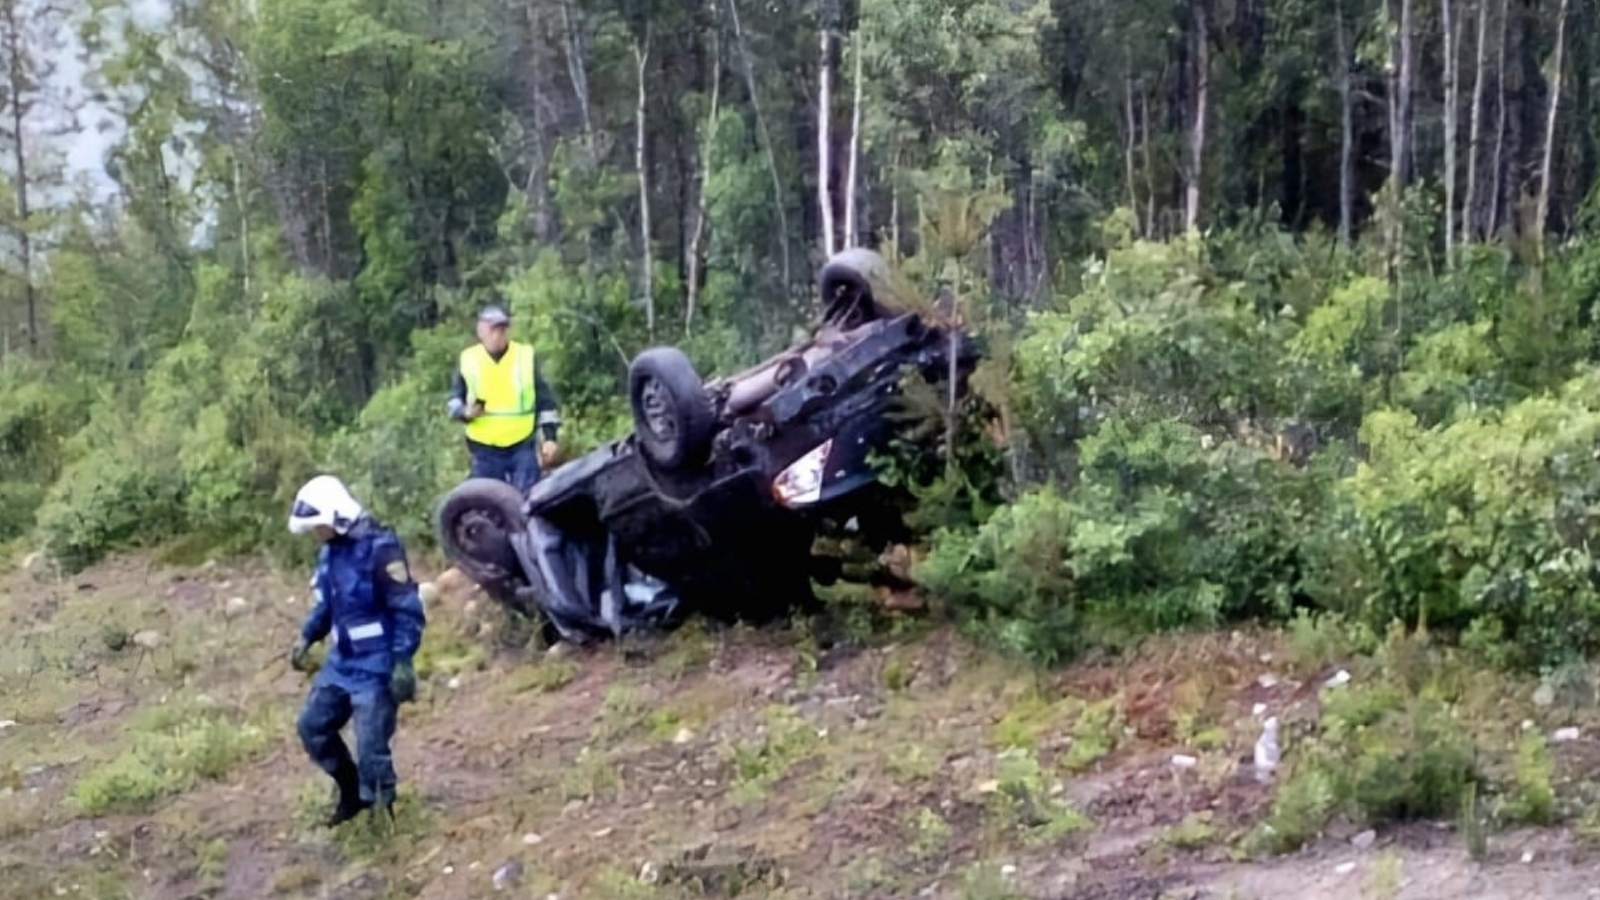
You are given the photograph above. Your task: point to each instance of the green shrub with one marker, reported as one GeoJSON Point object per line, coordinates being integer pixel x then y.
{"type": "Point", "coordinates": [1483, 525]}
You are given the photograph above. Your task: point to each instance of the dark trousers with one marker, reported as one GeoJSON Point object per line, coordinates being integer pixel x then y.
{"type": "Point", "coordinates": [327, 709]}
{"type": "Point", "coordinates": [517, 464]}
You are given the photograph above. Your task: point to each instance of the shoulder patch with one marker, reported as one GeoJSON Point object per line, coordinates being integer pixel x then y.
{"type": "Point", "coordinates": [398, 571]}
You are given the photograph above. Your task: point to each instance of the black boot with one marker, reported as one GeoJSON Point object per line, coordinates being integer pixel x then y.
{"type": "Point", "coordinates": [350, 802]}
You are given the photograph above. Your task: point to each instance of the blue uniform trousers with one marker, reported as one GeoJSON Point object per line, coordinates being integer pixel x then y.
{"type": "Point", "coordinates": [328, 707]}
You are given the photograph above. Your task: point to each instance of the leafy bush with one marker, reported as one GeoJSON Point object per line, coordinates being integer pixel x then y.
{"type": "Point", "coordinates": [1388, 747]}
{"type": "Point", "coordinates": [1482, 526]}
{"type": "Point", "coordinates": [118, 488]}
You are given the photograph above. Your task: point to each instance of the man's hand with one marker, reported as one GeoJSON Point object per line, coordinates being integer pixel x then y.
{"type": "Point", "coordinates": [473, 411]}
{"type": "Point", "coordinates": [403, 682]}
{"type": "Point", "coordinates": [548, 452]}
{"type": "Point", "coordinates": [300, 658]}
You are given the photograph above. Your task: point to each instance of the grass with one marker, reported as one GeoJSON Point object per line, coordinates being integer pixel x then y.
{"type": "Point", "coordinates": [760, 762]}
{"type": "Point", "coordinates": [169, 752]}
{"type": "Point", "coordinates": [905, 765]}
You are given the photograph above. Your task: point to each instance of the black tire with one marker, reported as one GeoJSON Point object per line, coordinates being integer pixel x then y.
{"type": "Point", "coordinates": [856, 288]}
{"type": "Point", "coordinates": [475, 524]}
{"type": "Point", "coordinates": [672, 415]}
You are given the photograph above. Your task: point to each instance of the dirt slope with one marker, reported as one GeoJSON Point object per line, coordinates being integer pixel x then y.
{"type": "Point", "coordinates": [147, 750]}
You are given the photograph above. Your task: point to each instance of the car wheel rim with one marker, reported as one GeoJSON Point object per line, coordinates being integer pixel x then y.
{"type": "Point", "coordinates": [471, 528]}
{"type": "Point", "coordinates": [657, 411]}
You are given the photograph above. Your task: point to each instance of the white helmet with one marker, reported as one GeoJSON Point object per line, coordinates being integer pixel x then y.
{"type": "Point", "coordinates": [323, 500]}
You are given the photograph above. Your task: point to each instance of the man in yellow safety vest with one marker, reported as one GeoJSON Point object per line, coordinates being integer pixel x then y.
{"type": "Point", "coordinates": [500, 394]}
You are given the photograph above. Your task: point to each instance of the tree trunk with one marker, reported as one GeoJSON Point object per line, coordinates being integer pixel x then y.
{"type": "Point", "coordinates": [580, 81]}
{"type": "Point", "coordinates": [243, 200]}
{"type": "Point", "coordinates": [18, 84]}
{"type": "Point", "coordinates": [1450, 101]}
{"type": "Point", "coordinates": [1475, 131]}
{"type": "Point", "coordinates": [1399, 130]}
{"type": "Point", "coordinates": [1346, 128]}
{"type": "Point", "coordinates": [778, 203]}
{"type": "Point", "coordinates": [641, 53]}
{"type": "Point", "coordinates": [824, 102]}
{"type": "Point", "coordinates": [1197, 135]}
{"type": "Point", "coordinates": [1542, 212]}
{"type": "Point", "coordinates": [707, 143]}
{"type": "Point", "coordinates": [851, 237]}
{"type": "Point", "coordinates": [1498, 170]}
{"type": "Point", "coordinates": [1128, 148]}
{"type": "Point", "coordinates": [1407, 79]}
{"type": "Point", "coordinates": [1149, 167]}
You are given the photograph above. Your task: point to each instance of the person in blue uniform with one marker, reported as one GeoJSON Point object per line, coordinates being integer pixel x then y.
{"type": "Point", "coordinates": [365, 599]}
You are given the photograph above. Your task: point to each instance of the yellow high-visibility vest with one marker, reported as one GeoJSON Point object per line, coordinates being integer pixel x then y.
{"type": "Point", "coordinates": [508, 392]}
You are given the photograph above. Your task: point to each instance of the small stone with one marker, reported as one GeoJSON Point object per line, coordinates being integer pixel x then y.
{"type": "Point", "coordinates": [1268, 680]}
{"type": "Point", "coordinates": [508, 875]}
{"type": "Point", "coordinates": [454, 683]}
{"type": "Point", "coordinates": [237, 605]}
{"type": "Point", "coordinates": [1563, 735]}
{"type": "Point", "coordinates": [601, 833]}
{"type": "Point", "coordinates": [1365, 839]}
{"type": "Point", "coordinates": [1527, 856]}
{"type": "Point", "coordinates": [149, 640]}
{"type": "Point", "coordinates": [683, 736]}
{"type": "Point", "coordinates": [7, 723]}
{"type": "Point", "coordinates": [1258, 709]}
{"type": "Point", "coordinates": [449, 870]}
{"type": "Point", "coordinates": [1544, 695]}
{"type": "Point", "coordinates": [1339, 679]}
{"type": "Point", "coordinates": [1184, 761]}
{"type": "Point", "coordinates": [648, 873]}
{"type": "Point", "coordinates": [1008, 870]}
{"type": "Point", "coordinates": [531, 839]}
{"type": "Point", "coordinates": [988, 787]}
{"type": "Point", "coordinates": [1345, 868]}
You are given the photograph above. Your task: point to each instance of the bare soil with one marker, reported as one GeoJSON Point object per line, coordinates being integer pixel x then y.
{"type": "Point", "coordinates": [705, 763]}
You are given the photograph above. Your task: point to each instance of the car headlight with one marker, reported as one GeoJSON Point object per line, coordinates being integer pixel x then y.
{"type": "Point", "coordinates": [801, 482]}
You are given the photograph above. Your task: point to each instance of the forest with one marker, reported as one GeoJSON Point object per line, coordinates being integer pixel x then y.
{"type": "Point", "coordinates": [1288, 306]}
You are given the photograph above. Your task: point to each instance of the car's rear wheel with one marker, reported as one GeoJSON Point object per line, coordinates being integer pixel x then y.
{"type": "Point", "coordinates": [856, 288]}
{"type": "Point", "coordinates": [671, 414]}
{"type": "Point", "coordinates": [476, 522]}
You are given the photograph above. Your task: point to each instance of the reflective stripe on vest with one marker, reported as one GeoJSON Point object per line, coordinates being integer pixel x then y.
{"type": "Point", "coordinates": [507, 390]}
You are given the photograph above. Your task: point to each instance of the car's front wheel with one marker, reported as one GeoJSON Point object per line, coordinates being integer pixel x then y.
{"type": "Point", "coordinates": [476, 522]}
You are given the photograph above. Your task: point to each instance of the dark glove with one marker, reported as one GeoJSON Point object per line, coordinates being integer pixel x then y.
{"type": "Point", "coordinates": [300, 659]}
{"type": "Point", "coordinates": [403, 682]}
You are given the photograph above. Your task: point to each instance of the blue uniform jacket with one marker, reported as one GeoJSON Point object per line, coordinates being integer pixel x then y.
{"type": "Point", "coordinates": [365, 598]}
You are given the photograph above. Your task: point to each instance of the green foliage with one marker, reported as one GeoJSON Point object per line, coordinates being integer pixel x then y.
{"type": "Point", "coordinates": [117, 489]}
{"type": "Point", "coordinates": [1403, 740]}
{"type": "Point", "coordinates": [1210, 453]}
{"type": "Point", "coordinates": [35, 421]}
{"type": "Point", "coordinates": [167, 754]}
{"type": "Point", "coordinates": [1481, 525]}
{"type": "Point", "coordinates": [1168, 432]}
{"type": "Point", "coordinates": [1532, 798]}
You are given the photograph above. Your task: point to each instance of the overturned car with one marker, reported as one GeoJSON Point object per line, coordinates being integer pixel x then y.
{"type": "Point", "coordinates": [713, 503]}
